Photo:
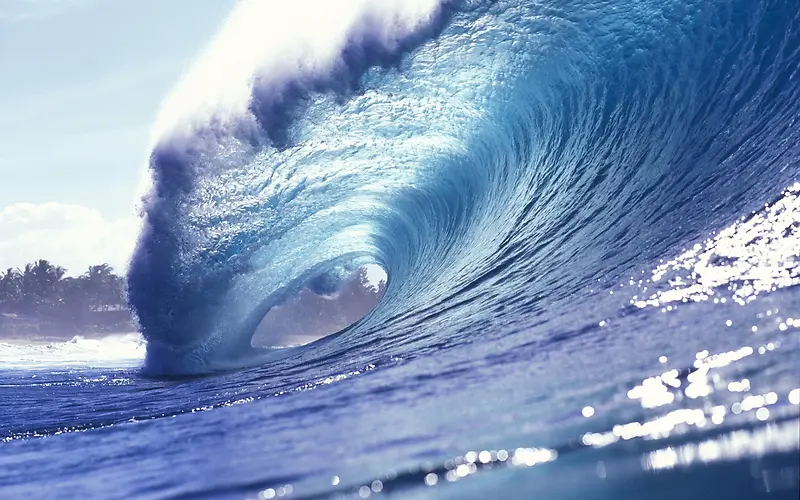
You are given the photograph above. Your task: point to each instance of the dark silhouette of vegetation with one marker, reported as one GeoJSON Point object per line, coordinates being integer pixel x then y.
{"type": "Point", "coordinates": [308, 316]}
{"type": "Point", "coordinates": [40, 299]}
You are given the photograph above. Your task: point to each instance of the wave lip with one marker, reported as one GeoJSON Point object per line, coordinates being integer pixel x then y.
{"type": "Point", "coordinates": [267, 49]}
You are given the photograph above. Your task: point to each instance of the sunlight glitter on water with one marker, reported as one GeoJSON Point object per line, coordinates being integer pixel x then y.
{"type": "Point", "coordinates": [700, 383]}
{"type": "Point", "coordinates": [754, 255]}
{"type": "Point", "coordinates": [781, 437]}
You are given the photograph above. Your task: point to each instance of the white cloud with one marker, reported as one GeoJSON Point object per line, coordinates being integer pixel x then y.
{"type": "Point", "coordinates": [71, 236]}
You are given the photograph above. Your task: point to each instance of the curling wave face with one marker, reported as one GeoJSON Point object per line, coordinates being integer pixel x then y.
{"type": "Point", "coordinates": [495, 157]}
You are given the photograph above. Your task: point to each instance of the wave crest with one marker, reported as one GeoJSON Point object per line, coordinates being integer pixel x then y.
{"type": "Point", "coordinates": [492, 156]}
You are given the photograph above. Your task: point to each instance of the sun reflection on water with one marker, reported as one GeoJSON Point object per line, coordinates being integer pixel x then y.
{"type": "Point", "coordinates": [698, 383]}
{"type": "Point", "coordinates": [781, 437]}
{"type": "Point", "coordinates": [755, 255]}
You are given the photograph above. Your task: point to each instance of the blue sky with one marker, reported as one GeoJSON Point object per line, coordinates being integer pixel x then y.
{"type": "Point", "coordinates": [82, 83]}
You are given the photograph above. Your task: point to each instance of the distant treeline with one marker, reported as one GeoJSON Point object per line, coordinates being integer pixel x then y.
{"type": "Point", "coordinates": [40, 298]}
{"type": "Point", "coordinates": [308, 315]}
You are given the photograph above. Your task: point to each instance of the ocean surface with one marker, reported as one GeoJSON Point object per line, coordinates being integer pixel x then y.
{"type": "Point", "coordinates": [589, 215]}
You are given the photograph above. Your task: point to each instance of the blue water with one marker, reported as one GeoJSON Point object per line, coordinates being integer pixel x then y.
{"type": "Point", "coordinates": [589, 214]}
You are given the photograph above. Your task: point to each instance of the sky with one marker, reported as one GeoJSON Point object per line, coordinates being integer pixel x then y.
{"type": "Point", "coordinates": [82, 82]}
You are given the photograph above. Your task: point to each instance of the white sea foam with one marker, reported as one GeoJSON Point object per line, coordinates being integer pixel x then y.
{"type": "Point", "coordinates": [272, 42]}
{"type": "Point", "coordinates": [113, 351]}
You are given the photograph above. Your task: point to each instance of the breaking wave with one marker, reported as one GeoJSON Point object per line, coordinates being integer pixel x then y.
{"type": "Point", "coordinates": [494, 157]}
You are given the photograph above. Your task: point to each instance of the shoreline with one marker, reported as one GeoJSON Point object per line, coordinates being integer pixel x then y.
{"type": "Point", "coordinates": [49, 338]}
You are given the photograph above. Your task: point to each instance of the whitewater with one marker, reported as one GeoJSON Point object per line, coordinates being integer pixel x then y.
{"type": "Point", "coordinates": [588, 213]}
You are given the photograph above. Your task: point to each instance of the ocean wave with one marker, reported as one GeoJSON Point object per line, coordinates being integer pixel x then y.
{"type": "Point", "coordinates": [494, 157]}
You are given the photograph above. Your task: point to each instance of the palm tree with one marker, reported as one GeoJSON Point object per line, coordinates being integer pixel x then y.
{"type": "Point", "coordinates": [104, 288]}
{"type": "Point", "coordinates": [39, 286]}
{"type": "Point", "coordinates": [10, 289]}
{"type": "Point", "coordinates": [65, 304]}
